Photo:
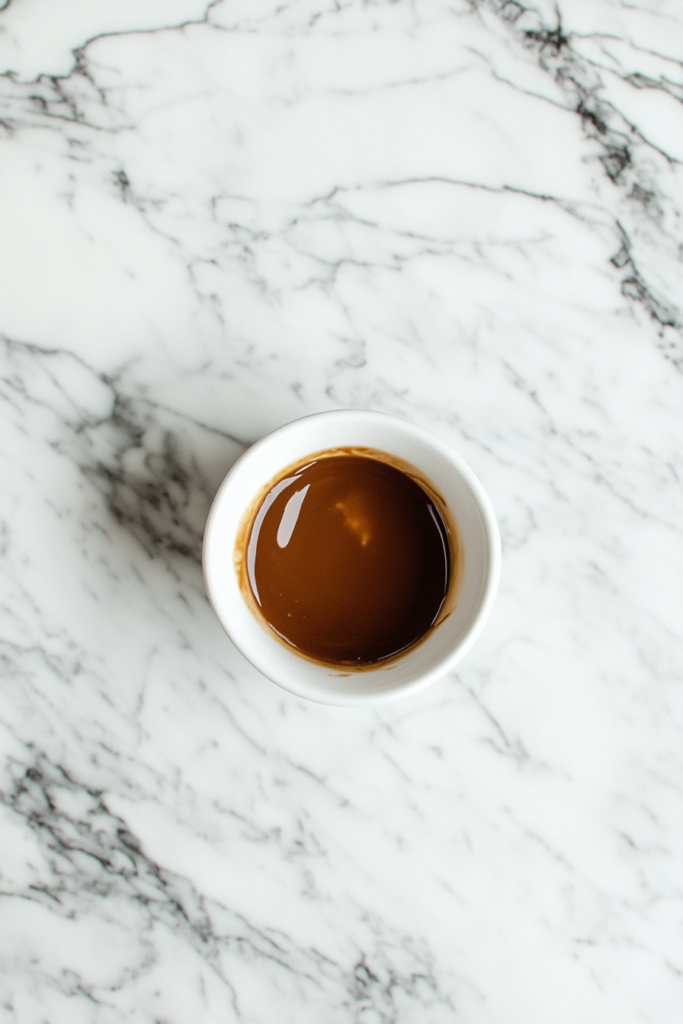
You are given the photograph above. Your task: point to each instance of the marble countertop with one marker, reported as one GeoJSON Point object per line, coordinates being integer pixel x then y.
{"type": "Point", "coordinates": [214, 218]}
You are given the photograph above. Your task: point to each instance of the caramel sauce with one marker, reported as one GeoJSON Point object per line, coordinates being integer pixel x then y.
{"type": "Point", "coordinates": [348, 557]}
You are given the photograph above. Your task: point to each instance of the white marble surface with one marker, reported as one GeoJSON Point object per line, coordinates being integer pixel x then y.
{"type": "Point", "coordinates": [215, 217]}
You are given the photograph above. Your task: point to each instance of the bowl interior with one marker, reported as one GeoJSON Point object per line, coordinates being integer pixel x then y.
{"type": "Point", "coordinates": [465, 498]}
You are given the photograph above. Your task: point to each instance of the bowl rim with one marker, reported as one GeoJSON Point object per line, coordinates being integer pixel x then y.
{"type": "Point", "coordinates": [489, 589]}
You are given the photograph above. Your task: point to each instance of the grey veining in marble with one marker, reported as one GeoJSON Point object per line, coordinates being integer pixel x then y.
{"type": "Point", "coordinates": [215, 217]}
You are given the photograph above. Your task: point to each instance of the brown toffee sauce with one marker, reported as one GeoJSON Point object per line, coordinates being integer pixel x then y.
{"type": "Point", "coordinates": [348, 558]}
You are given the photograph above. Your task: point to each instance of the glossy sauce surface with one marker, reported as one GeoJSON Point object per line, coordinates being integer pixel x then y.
{"type": "Point", "coordinates": [348, 559]}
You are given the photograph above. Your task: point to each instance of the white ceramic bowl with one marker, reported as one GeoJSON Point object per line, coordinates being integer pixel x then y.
{"type": "Point", "coordinates": [467, 501]}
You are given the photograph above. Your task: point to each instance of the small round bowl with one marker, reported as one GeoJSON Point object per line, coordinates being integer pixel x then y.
{"type": "Point", "coordinates": [466, 500]}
